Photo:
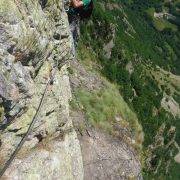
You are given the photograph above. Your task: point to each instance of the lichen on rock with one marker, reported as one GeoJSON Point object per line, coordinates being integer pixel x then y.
{"type": "Point", "coordinates": [34, 40]}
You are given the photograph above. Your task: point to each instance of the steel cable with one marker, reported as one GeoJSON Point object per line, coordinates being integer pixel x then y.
{"type": "Point", "coordinates": [19, 146]}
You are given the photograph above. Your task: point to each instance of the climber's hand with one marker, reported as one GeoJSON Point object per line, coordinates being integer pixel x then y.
{"type": "Point", "coordinates": [77, 3]}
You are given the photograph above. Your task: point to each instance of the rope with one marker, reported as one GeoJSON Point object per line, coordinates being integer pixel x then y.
{"type": "Point", "coordinates": [21, 143]}
{"type": "Point", "coordinates": [19, 146]}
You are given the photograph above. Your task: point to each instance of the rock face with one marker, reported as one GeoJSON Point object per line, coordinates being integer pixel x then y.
{"type": "Point", "coordinates": [34, 38]}
{"type": "Point", "coordinates": [35, 43]}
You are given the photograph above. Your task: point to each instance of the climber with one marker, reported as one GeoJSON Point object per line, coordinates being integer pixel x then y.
{"type": "Point", "coordinates": [77, 10]}
{"type": "Point", "coordinates": [82, 8]}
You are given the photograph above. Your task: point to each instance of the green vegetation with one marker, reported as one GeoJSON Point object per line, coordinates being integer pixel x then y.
{"type": "Point", "coordinates": [1, 113]}
{"type": "Point", "coordinates": [160, 23]}
{"type": "Point", "coordinates": [103, 107]}
{"type": "Point", "coordinates": [138, 42]}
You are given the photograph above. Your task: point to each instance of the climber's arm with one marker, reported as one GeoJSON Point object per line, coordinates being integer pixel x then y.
{"type": "Point", "coordinates": [77, 3]}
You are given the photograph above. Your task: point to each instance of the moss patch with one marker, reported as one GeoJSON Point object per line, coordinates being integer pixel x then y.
{"type": "Point", "coordinates": [103, 108]}
{"type": "Point", "coordinates": [1, 114]}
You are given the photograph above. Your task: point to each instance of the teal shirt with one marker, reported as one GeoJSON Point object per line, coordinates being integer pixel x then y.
{"type": "Point", "coordinates": [85, 5]}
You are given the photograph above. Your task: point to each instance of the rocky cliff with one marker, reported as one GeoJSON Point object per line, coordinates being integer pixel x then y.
{"type": "Point", "coordinates": [97, 140]}
{"type": "Point", "coordinates": [34, 42]}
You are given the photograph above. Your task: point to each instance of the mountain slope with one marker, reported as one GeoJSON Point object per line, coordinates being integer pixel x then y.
{"type": "Point", "coordinates": [144, 62]}
{"type": "Point", "coordinates": [109, 132]}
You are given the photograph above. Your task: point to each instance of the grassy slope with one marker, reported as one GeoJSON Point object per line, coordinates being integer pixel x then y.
{"type": "Point", "coordinates": [145, 48]}
{"type": "Point", "coordinates": [159, 23]}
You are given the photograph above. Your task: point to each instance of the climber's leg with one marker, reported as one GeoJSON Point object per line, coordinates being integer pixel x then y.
{"type": "Point", "coordinates": [73, 47]}
{"type": "Point", "coordinates": [43, 3]}
{"type": "Point", "coordinates": [74, 28]}
{"type": "Point", "coordinates": [72, 40]}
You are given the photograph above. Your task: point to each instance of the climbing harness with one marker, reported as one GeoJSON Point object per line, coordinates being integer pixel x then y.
{"type": "Point", "coordinates": [66, 5]}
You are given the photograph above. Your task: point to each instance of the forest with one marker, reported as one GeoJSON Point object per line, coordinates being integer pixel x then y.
{"type": "Point", "coordinates": [138, 41]}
